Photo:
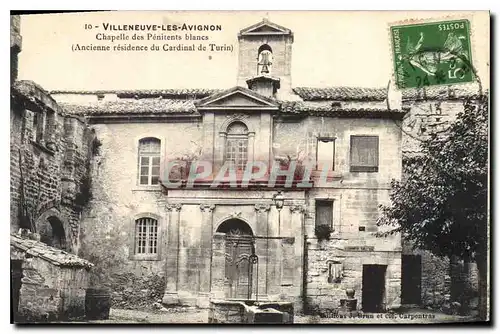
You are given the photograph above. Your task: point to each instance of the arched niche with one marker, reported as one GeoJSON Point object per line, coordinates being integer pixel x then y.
{"type": "Point", "coordinates": [54, 230]}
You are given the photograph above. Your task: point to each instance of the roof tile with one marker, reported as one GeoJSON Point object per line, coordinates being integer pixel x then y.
{"type": "Point", "coordinates": [453, 92]}
{"type": "Point", "coordinates": [325, 108]}
{"type": "Point", "coordinates": [341, 93]}
{"type": "Point", "coordinates": [177, 93]}
{"type": "Point", "coordinates": [53, 255]}
{"type": "Point", "coordinates": [131, 106]}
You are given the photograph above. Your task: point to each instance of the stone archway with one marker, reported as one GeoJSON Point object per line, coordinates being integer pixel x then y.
{"type": "Point", "coordinates": [53, 230]}
{"type": "Point", "coordinates": [239, 247]}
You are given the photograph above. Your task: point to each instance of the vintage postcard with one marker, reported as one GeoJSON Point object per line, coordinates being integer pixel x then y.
{"type": "Point", "coordinates": [250, 167]}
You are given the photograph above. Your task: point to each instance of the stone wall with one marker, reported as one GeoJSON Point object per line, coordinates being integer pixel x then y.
{"type": "Point", "coordinates": [425, 117]}
{"type": "Point", "coordinates": [51, 293]}
{"type": "Point", "coordinates": [323, 295]}
{"type": "Point", "coordinates": [108, 224]}
{"type": "Point", "coordinates": [455, 281]}
{"type": "Point", "coordinates": [50, 169]}
{"type": "Point", "coordinates": [16, 42]}
{"type": "Point", "coordinates": [435, 282]}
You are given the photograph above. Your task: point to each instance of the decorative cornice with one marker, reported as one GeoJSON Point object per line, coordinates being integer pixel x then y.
{"type": "Point", "coordinates": [207, 207]}
{"type": "Point", "coordinates": [262, 207]}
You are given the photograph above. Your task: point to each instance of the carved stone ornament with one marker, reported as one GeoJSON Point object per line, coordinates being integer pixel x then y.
{"type": "Point", "coordinates": [262, 207]}
{"type": "Point", "coordinates": [297, 209]}
{"type": "Point", "coordinates": [235, 214]}
{"type": "Point", "coordinates": [174, 207]}
{"type": "Point", "coordinates": [207, 207]}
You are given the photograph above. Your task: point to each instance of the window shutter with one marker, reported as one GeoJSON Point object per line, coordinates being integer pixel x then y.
{"type": "Point", "coordinates": [324, 213]}
{"type": "Point", "coordinates": [364, 153]}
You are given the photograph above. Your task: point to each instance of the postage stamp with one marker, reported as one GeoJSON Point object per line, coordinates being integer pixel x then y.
{"type": "Point", "coordinates": [429, 54]}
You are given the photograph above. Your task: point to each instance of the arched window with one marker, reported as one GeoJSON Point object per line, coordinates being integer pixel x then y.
{"type": "Point", "coordinates": [265, 59]}
{"type": "Point", "coordinates": [237, 145]}
{"type": "Point", "coordinates": [149, 161]}
{"type": "Point", "coordinates": [146, 236]}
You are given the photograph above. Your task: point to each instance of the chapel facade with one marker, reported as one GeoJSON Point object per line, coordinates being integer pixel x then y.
{"type": "Point", "coordinates": [156, 233]}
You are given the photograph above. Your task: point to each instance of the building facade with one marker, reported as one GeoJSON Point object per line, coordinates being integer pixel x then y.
{"type": "Point", "coordinates": [306, 236]}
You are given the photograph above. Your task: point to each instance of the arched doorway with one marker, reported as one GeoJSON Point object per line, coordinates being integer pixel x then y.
{"type": "Point", "coordinates": [52, 232]}
{"type": "Point", "coordinates": [239, 251]}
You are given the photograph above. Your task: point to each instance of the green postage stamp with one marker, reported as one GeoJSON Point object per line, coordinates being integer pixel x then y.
{"type": "Point", "coordinates": [429, 54]}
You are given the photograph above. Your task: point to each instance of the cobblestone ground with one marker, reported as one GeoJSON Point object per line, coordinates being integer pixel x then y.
{"type": "Point", "coordinates": [193, 315]}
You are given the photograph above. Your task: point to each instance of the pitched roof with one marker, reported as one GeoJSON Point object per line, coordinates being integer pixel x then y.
{"type": "Point", "coordinates": [341, 93]}
{"type": "Point", "coordinates": [157, 106]}
{"type": "Point", "coordinates": [452, 92]}
{"type": "Point", "coordinates": [181, 93]}
{"type": "Point", "coordinates": [316, 101]}
{"type": "Point", "coordinates": [326, 108]}
{"type": "Point", "coordinates": [265, 27]}
{"type": "Point", "coordinates": [53, 255]}
{"type": "Point", "coordinates": [235, 90]}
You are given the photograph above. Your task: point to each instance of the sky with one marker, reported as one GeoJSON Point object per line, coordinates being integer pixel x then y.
{"type": "Point", "coordinates": [329, 49]}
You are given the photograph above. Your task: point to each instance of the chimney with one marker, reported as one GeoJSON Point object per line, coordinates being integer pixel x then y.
{"type": "Point", "coordinates": [264, 85]}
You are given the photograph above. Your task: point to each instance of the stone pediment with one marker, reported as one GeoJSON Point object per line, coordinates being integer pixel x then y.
{"type": "Point", "coordinates": [265, 27]}
{"type": "Point", "coordinates": [237, 98]}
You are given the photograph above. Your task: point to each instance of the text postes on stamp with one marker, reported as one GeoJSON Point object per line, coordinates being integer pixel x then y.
{"type": "Point", "coordinates": [430, 54]}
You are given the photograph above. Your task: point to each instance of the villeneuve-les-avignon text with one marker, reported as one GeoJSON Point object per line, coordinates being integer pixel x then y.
{"type": "Point", "coordinates": [161, 27]}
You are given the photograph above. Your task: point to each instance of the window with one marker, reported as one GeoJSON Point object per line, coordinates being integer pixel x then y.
{"type": "Point", "coordinates": [364, 154]}
{"type": "Point", "coordinates": [149, 161]}
{"type": "Point", "coordinates": [146, 236]}
{"type": "Point", "coordinates": [38, 126]}
{"type": "Point", "coordinates": [325, 153]}
{"type": "Point", "coordinates": [237, 145]}
{"type": "Point", "coordinates": [334, 272]}
{"type": "Point", "coordinates": [324, 213]}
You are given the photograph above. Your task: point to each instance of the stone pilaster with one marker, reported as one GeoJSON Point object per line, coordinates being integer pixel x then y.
{"type": "Point", "coordinates": [172, 260]}
{"type": "Point", "coordinates": [219, 153]}
{"type": "Point", "coordinates": [251, 144]}
{"type": "Point", "coordinates": [262, 248]}
{"type": "Point", "coordinates": [208, 136]}
{"type": "Point", "coordinates": [274, 258]}
{"type": "Point", "coordinates": [205, 262]}
{"type": "Point", "coordinates": [297, 212]}
{"type": "Point", "coordinates": [218, 266]}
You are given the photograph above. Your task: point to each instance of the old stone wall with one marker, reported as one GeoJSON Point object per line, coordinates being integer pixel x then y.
{"type": "Point", "coordinates": [108, 225]}
{"type": "Point", "coordinates": [49, 161]}
{"type": "Point", "coordinates": [16, 42]}
{"type": "Point", "coordinates": [50, 293]}
{"type": "Point", "coordinates": [442, 280]}
{"type": "Point", "coordinates": [425, 117]}
{"type": "Point", "coordinates": [323, 294]}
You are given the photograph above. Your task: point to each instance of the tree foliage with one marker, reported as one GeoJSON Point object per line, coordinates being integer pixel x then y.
{"type": "Point", "coordinates": [441, 203]}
